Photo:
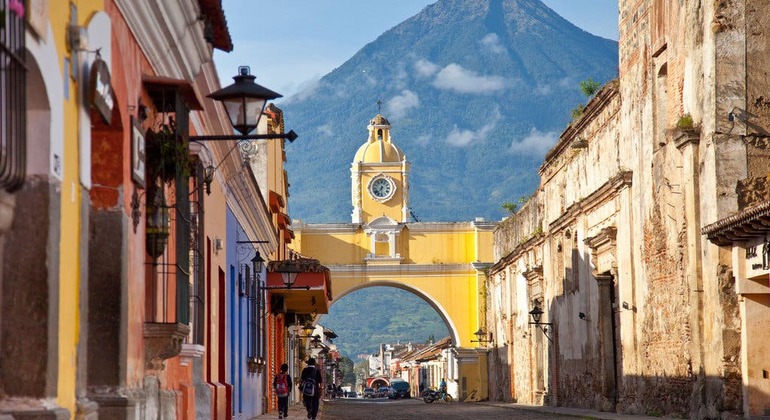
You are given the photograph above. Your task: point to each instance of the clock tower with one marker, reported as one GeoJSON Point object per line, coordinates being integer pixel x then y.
{"type": "Point", "coordinates": [379, 178]}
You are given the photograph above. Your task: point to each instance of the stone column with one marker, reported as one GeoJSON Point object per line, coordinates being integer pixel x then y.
{"type": "Point", "coordinates": [607, 341]}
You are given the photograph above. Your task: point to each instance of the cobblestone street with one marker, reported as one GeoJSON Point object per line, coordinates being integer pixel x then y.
{"type": "Point", "coordinates": [371, 409]}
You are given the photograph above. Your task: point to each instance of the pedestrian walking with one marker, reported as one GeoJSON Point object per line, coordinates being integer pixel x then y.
{"type": "Point", "coordinates": [282, 387]}
{"type": "Point", "coordinates": [310, 386]}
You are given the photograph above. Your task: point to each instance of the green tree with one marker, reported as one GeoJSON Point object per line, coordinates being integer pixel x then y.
{"type": "Point", "coordinates": [347, 368]}
{"type": "Point", "coordinates": [362, 372]}
{"type": "Point", "coordinates": [589, 87]}
{"type": "Point", "coordinates": [509, 207]}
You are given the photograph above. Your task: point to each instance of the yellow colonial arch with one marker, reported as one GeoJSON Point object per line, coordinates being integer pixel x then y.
{"type": "Point", "coordinates": [441, 262]}
{"type": "Point", "coordinates": [438, 306]}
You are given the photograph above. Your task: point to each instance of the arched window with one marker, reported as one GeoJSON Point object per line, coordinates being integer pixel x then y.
{"type": "Point", "coordinates": [13, 107]}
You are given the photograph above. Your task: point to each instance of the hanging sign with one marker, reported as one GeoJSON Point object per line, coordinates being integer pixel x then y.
{"type": "Point", "coordinates": [100, 90]}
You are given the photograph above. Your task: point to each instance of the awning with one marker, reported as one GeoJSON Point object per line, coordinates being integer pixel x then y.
{"type": "Point", "coordinates": [311, 291]}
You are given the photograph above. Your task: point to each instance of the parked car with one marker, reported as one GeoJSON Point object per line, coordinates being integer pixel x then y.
{"type": "Point", "coordinates": [383, 391]}
{"type": "Point", "coordinates": [399, 389]}
{"type": "Point", "coordinates": [369, 393]}
{"type": "Point", "coordinates": [352, 394]}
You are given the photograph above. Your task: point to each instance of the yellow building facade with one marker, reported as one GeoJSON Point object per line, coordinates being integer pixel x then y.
{"type": "Point", "coordinates": [441, 262]}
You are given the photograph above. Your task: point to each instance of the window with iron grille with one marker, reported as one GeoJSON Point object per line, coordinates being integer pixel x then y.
{"type": "Point", "coordinates": [13, 106]}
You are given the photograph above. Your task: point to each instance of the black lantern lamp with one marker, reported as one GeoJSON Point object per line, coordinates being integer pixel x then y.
{"type": "Point", "coordinates": [257, 263]}
{"type": "Point", "coordinates": [481, 337]}
{"type": "Point", "coordinates": [289, 273]}
{"type": "Point", "coordinates": [244, 100]}
{"type": "Point", "coordinates": [537, 315]}
{"type": "Point", "coordinates": [208, 177]}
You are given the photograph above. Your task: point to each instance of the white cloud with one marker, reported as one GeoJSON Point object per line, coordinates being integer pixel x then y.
{"type": "Point", "coordinates": [326, 130]}
{"type": "Point", "coordinates": [455, 77]}
{"type": "Point", "coordinates": [425, 68]}
{"type": "Point", "coordinates": [492, 44]}
{"type": "Point", "coordinates": [398, 106]}
{"type": "Point", "coordinates": [462, 138]}
{"type": "Point", "coordinates": [536, 143]}
{"type": "Point", "coordinates": [543, 89]}
{"type": "Point", "coordinates": [402, 77]}
{"type": "Point", "coordinates": [306, 90]}
{"type": "Point", "coordinates": [423, 140]}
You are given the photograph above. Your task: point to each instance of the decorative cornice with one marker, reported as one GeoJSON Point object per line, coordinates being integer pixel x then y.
{"type": "Point", "coordinates": [170, 34]}
{"type": "Point", "coordinates": [480, 266]}
{"type": "Point", "coordinates": [523, 247]}
{"type": "Point", "coordinates": [403, 269]}
{"type": "Point", "coordinates": [192, 351]}
{"type": "Point", "coordinates": [595, 106]}
{"type": "Point", "coordinates": [683, 137]}
{"type": "Point", "coordinates": [608, 190]}
{"type": "Point", "coordinates": [606, 238]}
{"type": "Point", "coordinates": [533, 274]}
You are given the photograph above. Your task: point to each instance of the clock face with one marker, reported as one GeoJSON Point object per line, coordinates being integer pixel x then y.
{"type": "Point", "coordinates": [381, 188]}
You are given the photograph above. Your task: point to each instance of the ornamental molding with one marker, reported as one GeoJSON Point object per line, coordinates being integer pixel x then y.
{"type": "Point", "coordinates": [601, 195]}
{"type": "Point", "coordinates": [393, 188]}
{"type": "Point", "coordinates": [170, 34]}
{"type": "Point", "coordinates": [603, 247]}
{"type": "Point", "coordinates": [162, 341]}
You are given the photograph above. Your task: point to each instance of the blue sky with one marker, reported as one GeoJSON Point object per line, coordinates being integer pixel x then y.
{"type": "Point", "coordinates": [291, 43]}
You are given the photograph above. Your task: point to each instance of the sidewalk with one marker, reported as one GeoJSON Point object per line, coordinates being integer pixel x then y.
{"type": "Point", "coordinates": [296, 412]}
{"type": "Point", "coordinates": [576, 412]}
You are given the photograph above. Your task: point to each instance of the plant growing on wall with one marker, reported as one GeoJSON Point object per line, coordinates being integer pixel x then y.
{"type": "Point", "coordinates": [167, 153]}
{"type": "Point", "coordinates": [589, 87]}
{"type": "Point", "coordinates": [509, 207]}
{"type": "Point", "coordinates": [685, 122]}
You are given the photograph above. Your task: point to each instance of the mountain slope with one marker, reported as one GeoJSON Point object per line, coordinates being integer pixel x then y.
{"type": "Point", "coordinates": [476, 91]}
{"type": "Point", "coordinates": [369, 317]}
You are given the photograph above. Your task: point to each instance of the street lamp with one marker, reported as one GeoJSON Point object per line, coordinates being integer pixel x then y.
{"type": "Point", "coordinates": [481, 337]}
{"type": "Point", "coordinates": [537, 315]}
{"type": "Point", "coordinates": [257, 263]}
{"type": "Point", "coordinates": [244, 102]}
{"type": "Point", "coordinates": [289, 273]}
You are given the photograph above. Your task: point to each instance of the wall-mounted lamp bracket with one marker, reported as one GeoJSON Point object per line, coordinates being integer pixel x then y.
{"type": "Point", "coordinates": [536, 315]}
{"type": "Point", "coordinates": [291, 136]}
{"type": "Point", "coordinates": [481, 337]}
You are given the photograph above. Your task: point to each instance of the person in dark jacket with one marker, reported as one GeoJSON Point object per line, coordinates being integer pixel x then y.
{"type": "Point", "coordinates": [283, 400]}
{"type": "Point", "coordinates": [312, 403]}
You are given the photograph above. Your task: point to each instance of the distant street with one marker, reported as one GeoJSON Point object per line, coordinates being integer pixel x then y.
{"type": "Point", "coordinates": [411, 409]}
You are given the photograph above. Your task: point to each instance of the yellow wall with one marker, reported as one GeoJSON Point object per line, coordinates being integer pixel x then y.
{"type": "Point", "coordinates": [372, 208]}
{"type": "Point", "coordinates": [71, 216]}
{"type": "Point", "coordinates": [436, 265]}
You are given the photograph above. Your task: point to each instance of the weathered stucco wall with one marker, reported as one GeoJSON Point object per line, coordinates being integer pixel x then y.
{"type": "Point", "coordinates": [645, 312]}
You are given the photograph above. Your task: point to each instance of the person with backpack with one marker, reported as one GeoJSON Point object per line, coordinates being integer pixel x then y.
{"type": "Point", "coordinates": [282, 387]}
{"type": "Point", "coordinates": [310, 386]}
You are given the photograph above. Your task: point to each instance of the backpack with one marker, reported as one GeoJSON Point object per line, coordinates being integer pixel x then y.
{"type": "Point", "coordinates": [308, 385]}
{"type": "Point", "coordinates": [281, 385]}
